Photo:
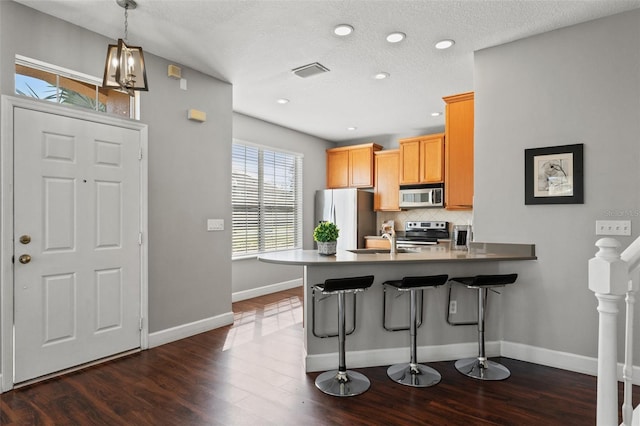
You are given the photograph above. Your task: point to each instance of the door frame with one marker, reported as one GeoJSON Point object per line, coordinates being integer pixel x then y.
{"type": "Point", "coordinates": [9, 103]}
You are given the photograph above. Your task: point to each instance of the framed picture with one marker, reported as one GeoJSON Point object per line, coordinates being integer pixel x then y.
{"type": "Point", "coordinates": [554, 175]}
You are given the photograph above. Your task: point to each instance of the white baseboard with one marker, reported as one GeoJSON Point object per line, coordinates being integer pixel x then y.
{"type": "Point", "coordinates": [550, 358]}
{"type": "Point", "coordinates": [379, 357]}
{"type": "Point", "coordinates": [268, 289]}
{"type": "Point", "coordinates": [563, 360]}
{"type": "Point", "coordinates": [187, 330]}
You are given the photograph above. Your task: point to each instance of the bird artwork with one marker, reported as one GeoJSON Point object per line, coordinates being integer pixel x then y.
{"type": "Point", "coordinates": [553, 178]}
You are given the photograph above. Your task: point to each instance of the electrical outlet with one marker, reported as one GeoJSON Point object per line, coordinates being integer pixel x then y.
{"type": "Point", "coordinates": [613, 227]}
{"type": "Point", "coordinates": [453, 307]}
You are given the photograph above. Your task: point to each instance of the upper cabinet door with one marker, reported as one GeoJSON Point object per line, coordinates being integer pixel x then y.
{"type": "Point", "coordinates": [459, 151]}
{"type": "Point", "coordinates": [410, 161]}
{"type": "Point", "coordinates": [422, 159]}
{"type": "Point", "coordinates": [432, 159]}
{"type": "Point", "coordinates": [337, 168]}
{"type": "Point", "coordinates": [386, 196]}
{"type": "Point", "coordinates": [351, 166]}
{"type": "Point", "coordinates": [361, 167]}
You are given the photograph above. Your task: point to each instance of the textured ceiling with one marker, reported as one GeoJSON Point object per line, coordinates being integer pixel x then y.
{"type": "Point", "coordinates": [255, 44]}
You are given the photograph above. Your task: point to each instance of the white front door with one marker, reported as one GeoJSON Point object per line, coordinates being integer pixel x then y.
{"type": "Point", "coordinates": [77, 271]}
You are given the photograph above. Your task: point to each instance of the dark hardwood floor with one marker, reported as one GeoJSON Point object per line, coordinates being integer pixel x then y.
{"type": "Point", "coordinates": [251, 374]}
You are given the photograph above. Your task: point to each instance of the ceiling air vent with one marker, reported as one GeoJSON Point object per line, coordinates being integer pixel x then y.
{"type": "Point", "coordinates": [310, 70]}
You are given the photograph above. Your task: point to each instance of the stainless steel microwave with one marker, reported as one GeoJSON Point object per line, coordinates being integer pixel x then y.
{"type": "Point", "coordinates": [421, 197]}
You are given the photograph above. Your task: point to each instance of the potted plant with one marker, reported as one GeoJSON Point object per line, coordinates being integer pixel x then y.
{"type": "Point", "coordinates": [326, 235]}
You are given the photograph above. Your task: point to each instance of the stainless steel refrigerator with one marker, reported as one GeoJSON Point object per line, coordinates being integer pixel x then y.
{"type": "Point", "coordinates": [351, 210]}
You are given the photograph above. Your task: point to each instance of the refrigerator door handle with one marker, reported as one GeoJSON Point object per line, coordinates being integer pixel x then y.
{"type": "Point", "coordinates": [333, 212]}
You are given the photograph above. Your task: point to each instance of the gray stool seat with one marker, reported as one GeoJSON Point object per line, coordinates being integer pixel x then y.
{"type": "Point", "coordinates": [412, 373]}
{"type": "Point", "coordinates": [343, 382]}
{"type": "Point", "coordinates": [480, 367]}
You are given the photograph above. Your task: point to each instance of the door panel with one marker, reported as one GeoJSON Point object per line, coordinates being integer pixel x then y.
{"type": "Point", "coordinates": [59, 211]}
{"type": "Point", "coordinates": [323, 206]}
{"type": "Point", "coordinates": [109, 288]}
{"type": "Point", "coordinates": [77, 195]}
{"type": "Point", "coordinates": [345, 207]}
{"type": "Point", "coordinates": [109, 215]}
{"type": "Point", "coordinates": [59, 307]}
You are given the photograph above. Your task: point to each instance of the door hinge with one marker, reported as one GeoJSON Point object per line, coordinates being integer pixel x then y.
{"type": "Point", "coordinates": [141, 323]}
{"type": "Point", "coordinates": [13, 259]}
{"type": "Point", "coordinates": [140, 238]}
{"type": "Point", "coordinates": [140, 154]}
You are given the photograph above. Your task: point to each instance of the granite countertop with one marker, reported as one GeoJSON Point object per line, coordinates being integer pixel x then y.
{"type": "Point", "coordinates": [435, 253]}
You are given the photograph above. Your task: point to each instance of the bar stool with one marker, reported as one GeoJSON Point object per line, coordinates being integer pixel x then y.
{"type": "Point", "coordinates": [343, 382]}
{"type": "Point", "coordinates": [412, 373]}
{"type": "Point", "coordinates": [480, 367]}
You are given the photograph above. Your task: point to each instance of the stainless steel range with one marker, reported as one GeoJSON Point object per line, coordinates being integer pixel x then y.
{"type": "Point", "coordinates": [422, 233]}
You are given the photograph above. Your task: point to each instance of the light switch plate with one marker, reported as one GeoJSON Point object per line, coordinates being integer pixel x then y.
{"type": "Point", "coordinates": [215, 224]}
{"type": "Point", "coordinates": [613, 227]}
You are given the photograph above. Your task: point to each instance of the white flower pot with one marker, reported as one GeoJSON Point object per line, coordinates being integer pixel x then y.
{"type": "Point", "coordinates": [327, 248]}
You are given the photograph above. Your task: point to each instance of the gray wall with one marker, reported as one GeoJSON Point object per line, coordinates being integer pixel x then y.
{"type": "Point", "coordinates": [189, 182]}
{"type": "Point", "coordinates": [189, 164]}
{"type": "Point", "coordinates": [391, 141]}
{"type": "Point", "coordinates": [250, 273]}
{"type": "Point", "coordinates": [575, 85]}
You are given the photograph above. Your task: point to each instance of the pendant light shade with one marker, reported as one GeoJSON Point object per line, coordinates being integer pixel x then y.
{"type": "Point", "coordinates": [124, 67]}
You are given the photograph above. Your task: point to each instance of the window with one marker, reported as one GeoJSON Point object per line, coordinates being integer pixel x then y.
{"type": "Point", "coordinates": [47, 82]}
{"type": "Point", "coordinates": [266, 195]}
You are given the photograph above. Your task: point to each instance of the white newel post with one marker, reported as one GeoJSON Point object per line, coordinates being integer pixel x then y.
{"type": "Point", "coordinates": [627, 372]}
{"type": "Point", "coordinates": [608, 279]}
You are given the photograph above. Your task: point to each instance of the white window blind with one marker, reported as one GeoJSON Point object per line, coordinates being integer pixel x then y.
{"type": "Point", "coordinates": [266, 196]}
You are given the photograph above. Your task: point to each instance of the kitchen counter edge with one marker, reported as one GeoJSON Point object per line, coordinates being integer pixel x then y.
{"type": "Point", "coordinates": [478, 251]}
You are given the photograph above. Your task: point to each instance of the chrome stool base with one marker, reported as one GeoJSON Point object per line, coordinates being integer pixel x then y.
{"type": "Point", "coordinates": [416, 375]}
{"type": "Point", "coordinates": [347, 383]}
{"type": "Point", "coordinates": [488, 370]}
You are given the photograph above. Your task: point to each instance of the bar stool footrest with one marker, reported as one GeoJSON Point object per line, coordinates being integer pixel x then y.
{"type": "Point", "coordinates": [417, 375]}
{"type": "Point", "coordinates": [347, 383]}
{"type": "Point", "coordinates": [488, 370]}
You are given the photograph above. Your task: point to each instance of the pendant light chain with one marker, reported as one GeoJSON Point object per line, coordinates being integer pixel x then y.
{"type": "Point", "coordinates": [126, 22]}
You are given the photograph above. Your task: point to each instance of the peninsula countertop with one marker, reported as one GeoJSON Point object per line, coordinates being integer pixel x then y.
{"type": "Point", "coordinates": [477, 251]}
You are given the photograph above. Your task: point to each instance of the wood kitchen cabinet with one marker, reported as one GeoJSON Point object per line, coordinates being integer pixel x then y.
{"type": "Point", "coordinates": [458, 179]}
{"type": "Point", "coordinates": [351, 166]}
{"type": "Point", "coordinates": [422, 159]}
{"type": "Point", "coordinates": [386, 195]}
{"type": "Point", "coordinates": [377, 243]}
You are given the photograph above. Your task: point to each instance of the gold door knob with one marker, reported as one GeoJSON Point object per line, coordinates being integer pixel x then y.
{"type": "Point", "coordinates": [24, 259]}
{"type": "Point", "coordinates": [25, 239]}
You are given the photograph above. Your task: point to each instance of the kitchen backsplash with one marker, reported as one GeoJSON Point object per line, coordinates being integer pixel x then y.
{"type": "Point", "coordinates": [454, 217]}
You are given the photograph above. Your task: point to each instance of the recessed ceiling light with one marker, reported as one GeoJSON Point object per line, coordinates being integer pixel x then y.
{"type": "Point", "coordinates": [381, 75]}
{"type": "Point", "coordinates": [436, 114]}
{"type": "Point", "coordinates": [444, 44]}
{"type": "Point", "coordinates": [283, 101]}
{"type": "Point", "coordinates": [351, 129]}
{"type": "Point", "coordinates": [396, 37]}
{"type": "Point", "coordinates": [343, 30]}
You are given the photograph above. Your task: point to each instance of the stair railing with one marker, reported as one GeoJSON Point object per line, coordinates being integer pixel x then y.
{"type": "Point", "coordinates": [613, 276]}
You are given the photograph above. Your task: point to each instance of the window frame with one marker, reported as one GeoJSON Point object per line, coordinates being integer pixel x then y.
{"type": "Point", "coordinates": [298, 199]}
{"type": "Point", "coordinates": [73, 75]}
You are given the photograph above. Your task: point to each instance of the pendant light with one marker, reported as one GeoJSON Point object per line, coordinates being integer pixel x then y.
{"type": "Point", "coordinates": [124, 68]}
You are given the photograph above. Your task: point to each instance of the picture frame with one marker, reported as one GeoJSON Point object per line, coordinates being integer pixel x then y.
{"type": "Point", "coordinates": [554, 175]}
